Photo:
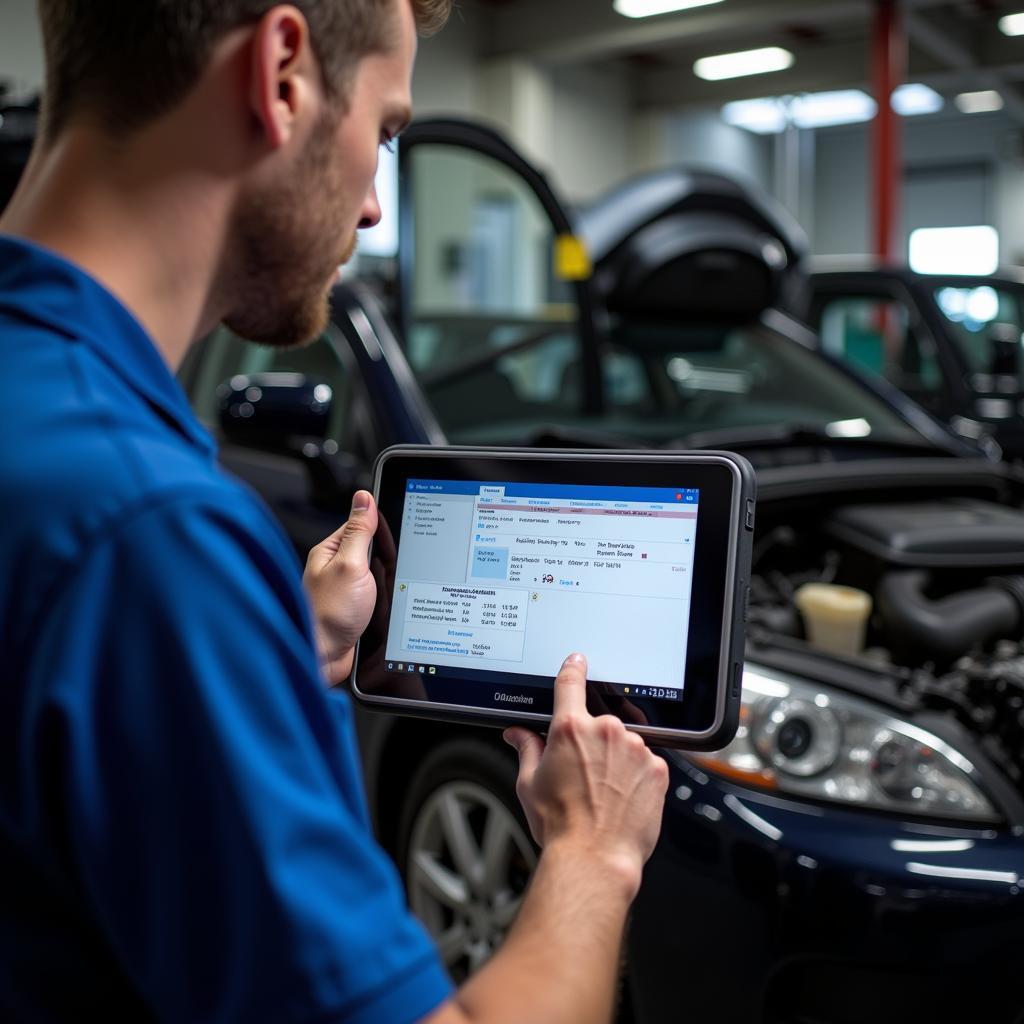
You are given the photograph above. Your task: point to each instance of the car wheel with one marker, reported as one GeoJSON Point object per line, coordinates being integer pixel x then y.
{"type": "Point", "coordinates": [465, 851]}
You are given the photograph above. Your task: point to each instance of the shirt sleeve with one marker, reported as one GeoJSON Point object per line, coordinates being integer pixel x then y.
{"type": "Point", "coordinates": [208, 796]}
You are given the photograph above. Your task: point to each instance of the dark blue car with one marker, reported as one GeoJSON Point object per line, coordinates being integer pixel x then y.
{"type": "Point", "coordinates": [857, 853]}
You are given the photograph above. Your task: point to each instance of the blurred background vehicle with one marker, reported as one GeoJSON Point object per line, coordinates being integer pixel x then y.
{"type": "Point", "coordinates": [950, 342]}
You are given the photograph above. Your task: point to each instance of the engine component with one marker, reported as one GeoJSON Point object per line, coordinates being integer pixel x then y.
{"type": "Point", "coordinates": [942, 630]}
{"type": "Point", "coordinates": [835, 616]}
{"type": "Point", "coordinates": [986, 694]}
{"type": "Point", "coordinates": [952, 534]}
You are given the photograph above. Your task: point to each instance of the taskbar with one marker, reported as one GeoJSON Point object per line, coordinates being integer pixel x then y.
{"type": "Point", "coordinates": [514, 679]}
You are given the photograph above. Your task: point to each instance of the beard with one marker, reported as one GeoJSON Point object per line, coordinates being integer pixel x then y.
{"type": "Point", "coordinates": [287, 251]}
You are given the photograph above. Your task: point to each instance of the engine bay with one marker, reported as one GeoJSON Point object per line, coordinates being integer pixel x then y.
{"type": "Point", "coordinates": [945, 576]}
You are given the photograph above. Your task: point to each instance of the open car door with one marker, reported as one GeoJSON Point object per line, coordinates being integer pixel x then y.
{"type": "Point", "coordinates": [494, 301]}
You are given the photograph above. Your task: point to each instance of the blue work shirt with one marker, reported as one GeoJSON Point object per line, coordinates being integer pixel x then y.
{"type": "Point", "coordinates": [183, 832]}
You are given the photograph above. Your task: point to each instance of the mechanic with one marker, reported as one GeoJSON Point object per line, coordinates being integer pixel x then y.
{"type": "Point", "coordinates": [183, 833]}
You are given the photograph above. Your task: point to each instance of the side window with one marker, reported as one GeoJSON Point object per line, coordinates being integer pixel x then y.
{"type": "Point", "coordinates": [223, 354]}
{"type": "Point", "coordinates": [492, 331]}
{"type": "Point", "coordinates": [875, 334]}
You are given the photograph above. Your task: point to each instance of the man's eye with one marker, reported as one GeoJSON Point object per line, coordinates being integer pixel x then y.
{"type": "Point", "coordinates": [388, 143]}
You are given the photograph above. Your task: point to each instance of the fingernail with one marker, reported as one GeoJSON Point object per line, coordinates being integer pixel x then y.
{"type": "Point", "coordinates": [360, 501]}
{"type": "Point", "coordinates": [576, 659]}
{"type": "Point", "coordinates": [507, 737]}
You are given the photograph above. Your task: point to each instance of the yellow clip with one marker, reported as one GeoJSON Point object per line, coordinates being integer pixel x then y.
{"type": "Point", "coordinates": [572, 262]}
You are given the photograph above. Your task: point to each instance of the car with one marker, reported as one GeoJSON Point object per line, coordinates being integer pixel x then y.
{"type": "Point", "coordinates": [950, 342]}
{"type": "Point", "coordinates": [857, 852]}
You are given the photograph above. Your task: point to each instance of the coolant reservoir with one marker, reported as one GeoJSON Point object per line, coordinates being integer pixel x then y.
{"type": "Point", "coordinates": [836, 617]}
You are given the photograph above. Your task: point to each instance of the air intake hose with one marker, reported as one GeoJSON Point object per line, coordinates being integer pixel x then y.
{"type": "Point", "coordinates": [942, 630]}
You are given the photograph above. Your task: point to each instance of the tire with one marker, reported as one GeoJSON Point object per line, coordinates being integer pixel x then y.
{"type": "Point", "coordinates": [465, 851]}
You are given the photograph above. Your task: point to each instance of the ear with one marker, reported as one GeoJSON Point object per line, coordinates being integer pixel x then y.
{"type": "Point", "coordinates": [282, 72]}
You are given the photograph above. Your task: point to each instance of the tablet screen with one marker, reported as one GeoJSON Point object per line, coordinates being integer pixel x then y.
{"type": "Point", "coordinates": [509, 577]}
{"type": "Point", "coordinates": [491, 567]}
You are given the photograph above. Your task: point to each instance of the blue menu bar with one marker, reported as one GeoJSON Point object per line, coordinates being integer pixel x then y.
{"type": "Point", "coordinates": [578, 492]}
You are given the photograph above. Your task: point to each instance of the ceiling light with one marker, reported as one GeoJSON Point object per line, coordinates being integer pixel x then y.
{"type": "Point", "coordinates": [647, 8]}
{"type": "Point", "coordinates": [979, 102]}
{"type": "Point", "coordinates": [826, 109]}
{"type": "Point", "coordinates": [913, 98]}
{"type": "Point", "coordinates": [765, 116]}
{"type": "Point", "coordinates": [971, 250]}
{"type": "Point", "coordinates": [1012, 25]}
{"type": "Point", "coordinates": [748, 62]}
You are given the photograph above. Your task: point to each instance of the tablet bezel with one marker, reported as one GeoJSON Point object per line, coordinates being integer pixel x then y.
{"type": "Point", "coordinates": [705, 713]}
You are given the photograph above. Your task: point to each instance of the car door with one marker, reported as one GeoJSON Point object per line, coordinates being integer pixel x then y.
{"type": "Point", "coordinates": [494, 298]}
{"type": "Point", "coordinates": [874, 325]}
{"type": "Point", "coordinates": [308, 482]}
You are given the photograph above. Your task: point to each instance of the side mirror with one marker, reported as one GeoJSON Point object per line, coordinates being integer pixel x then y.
{"type": "Point", "coordinates": [288, 414]}
{"type": "Point", "coordinates": [273, 410]}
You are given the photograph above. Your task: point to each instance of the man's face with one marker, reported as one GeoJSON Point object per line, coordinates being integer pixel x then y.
{"type": "Point", "coordinates": [294, 235]}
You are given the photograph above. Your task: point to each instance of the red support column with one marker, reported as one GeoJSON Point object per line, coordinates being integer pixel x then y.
{"type": "Point", "coordinates": [889, 57]}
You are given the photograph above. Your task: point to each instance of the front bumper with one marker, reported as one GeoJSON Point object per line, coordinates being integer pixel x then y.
{"type": "Point", "coordinates": [761, 909]}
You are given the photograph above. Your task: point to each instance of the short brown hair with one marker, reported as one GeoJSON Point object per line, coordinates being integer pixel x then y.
{"type": "Point", "coordinates": [128, 61]}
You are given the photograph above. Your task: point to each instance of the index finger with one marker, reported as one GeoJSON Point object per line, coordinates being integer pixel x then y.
{"type": "Point", "coordinates": [571, 686]}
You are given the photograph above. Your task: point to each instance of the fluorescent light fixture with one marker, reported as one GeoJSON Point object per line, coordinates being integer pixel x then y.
{"type": "Point", "coordinates": [826, 109]}
{"type": "Point", "coordinates": [969, 251]}
{"type": "Point", "coordinates": [1012, 25]}
{"type": "Point", "coordinates": [913, 99]}
{"type": "Point", "coordinates": [764, 117]}
{"type": "Point", "coordinates": [747, 62]}
{"type": "Point", "coordinates": [648, 8]}
{"type": "Point", "coordinates": [981, 102]}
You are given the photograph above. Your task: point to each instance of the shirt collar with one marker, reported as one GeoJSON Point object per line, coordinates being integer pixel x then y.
{"type": "Point", "coordinates": [40, 287]}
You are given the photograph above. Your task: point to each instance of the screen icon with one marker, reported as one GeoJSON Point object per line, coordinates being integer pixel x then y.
{"type": "Point", "coordinates": [391, 666]}
{"type": "Point", "coordinates": [400, 667]}
{"type": "Point", "coordinates": [432, 670]}
{"type": "Point", "coordinates": [422, 669]}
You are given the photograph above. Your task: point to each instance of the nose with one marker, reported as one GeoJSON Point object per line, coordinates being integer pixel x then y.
{"type": "Point", "coordinates": [370, 213]}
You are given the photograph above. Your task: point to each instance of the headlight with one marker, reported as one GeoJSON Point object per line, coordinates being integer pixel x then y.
{"type": "Point", "coordinates": [801, 739]}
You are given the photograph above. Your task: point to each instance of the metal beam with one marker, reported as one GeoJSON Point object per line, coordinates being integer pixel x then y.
{"type": "Point", "coordinates": [838, 66]}
{"type": "Point", "coordinates": [963, 61]}
{"type": "Point", "coordinates": [889, 62]}
{"type": "Point", "coordinates": [572, 32]}
{"type": "Point", "coordinates": [585, 30]}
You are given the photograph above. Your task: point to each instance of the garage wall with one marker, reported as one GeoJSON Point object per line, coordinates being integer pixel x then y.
{"type": "Point", "coordinates": [591, 138]}
{"type": "Point", "coordinates": [445, 77]}
{"type": "Point", "coordinates": [701, 138]}
{"type": "Point", "coordinates": [974, 158]}
{"type": "Point", "coordinates": [21, 48]}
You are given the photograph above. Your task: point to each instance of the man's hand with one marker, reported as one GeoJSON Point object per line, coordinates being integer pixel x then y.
{"type": "Point", "coordinates": [341, 588]}
{"type": "Point", "coordinates": [593, 797]}
{"type": "Point", "coordinates": [594, 786]}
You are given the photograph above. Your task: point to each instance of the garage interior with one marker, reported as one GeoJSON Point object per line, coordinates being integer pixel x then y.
{"type": "Point", "coordinates": [833, 194]}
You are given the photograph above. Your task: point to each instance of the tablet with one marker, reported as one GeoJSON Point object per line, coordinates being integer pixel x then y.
{"type": "Point", "coordinates": [493, 565]}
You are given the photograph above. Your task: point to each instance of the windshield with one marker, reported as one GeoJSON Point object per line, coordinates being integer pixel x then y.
{"type": "Point", "coordinates": [662, 382]}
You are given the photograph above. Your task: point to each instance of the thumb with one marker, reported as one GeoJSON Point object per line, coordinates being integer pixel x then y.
{"type": "Point", "coordinates": [351, 542]}
{"type": "Point", "coordinates": [529, 746]}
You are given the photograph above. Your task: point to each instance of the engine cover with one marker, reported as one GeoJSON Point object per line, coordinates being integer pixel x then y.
{"type": "Point", "coordinates": [955, 533]}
